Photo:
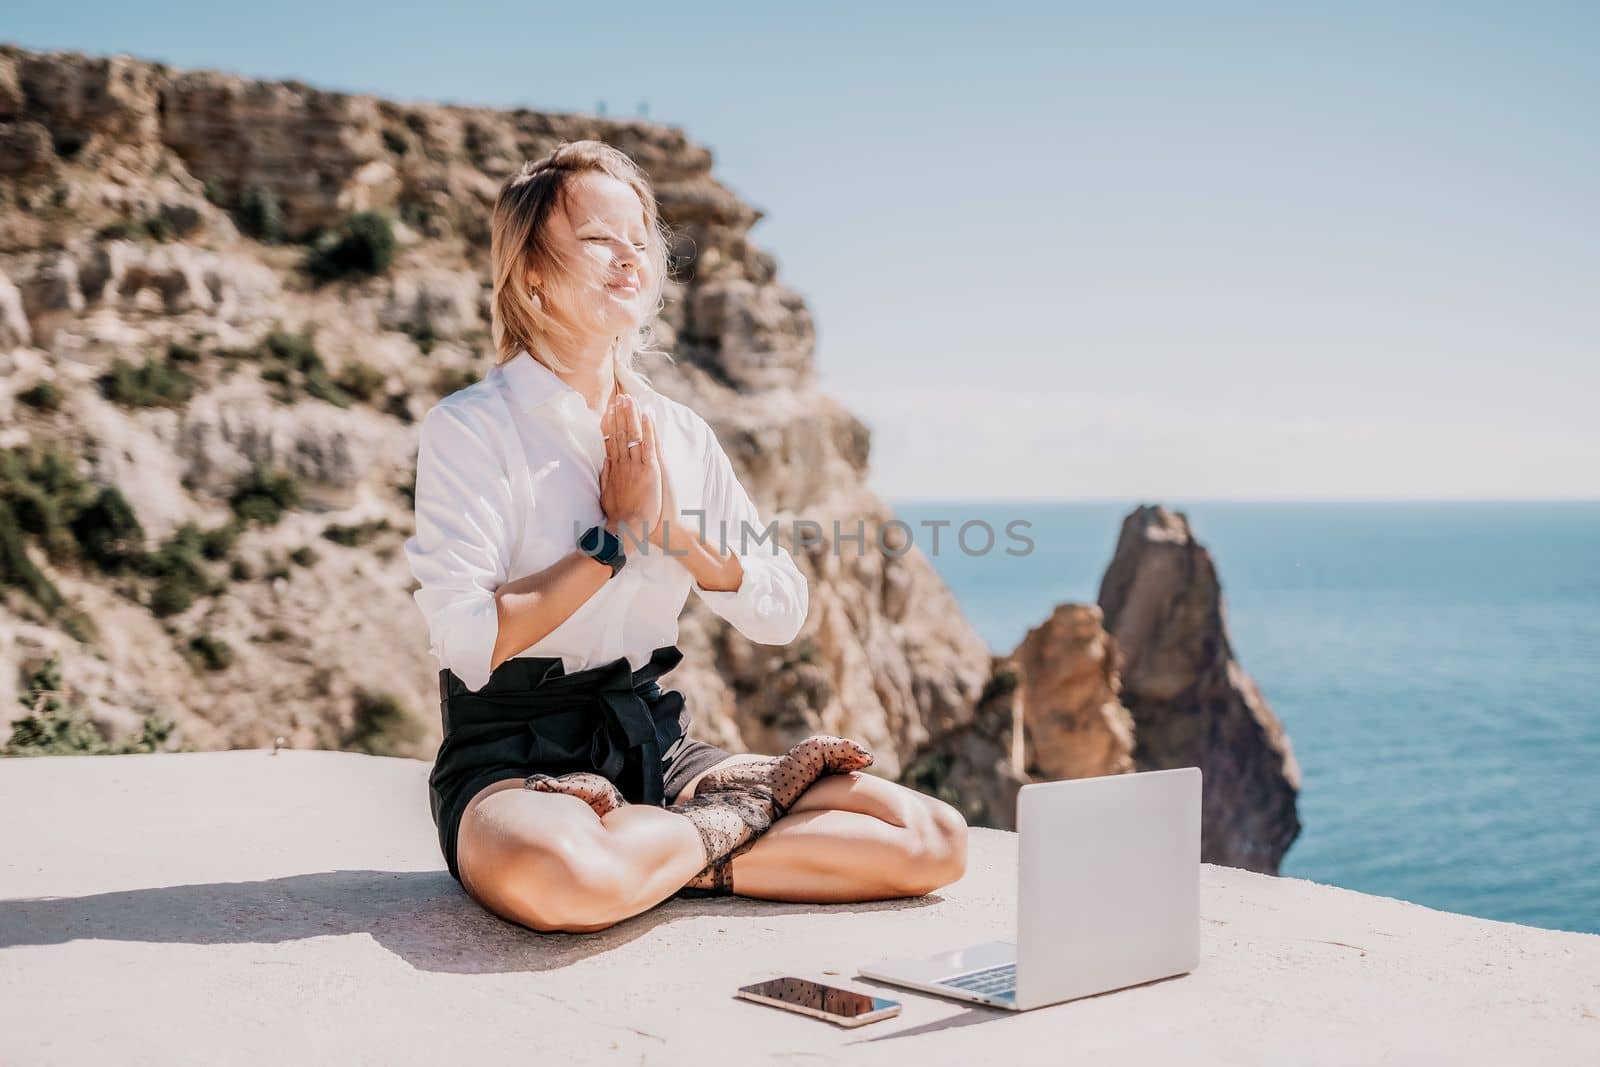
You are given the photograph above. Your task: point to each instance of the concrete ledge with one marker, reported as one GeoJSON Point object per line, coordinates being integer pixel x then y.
{"type": "Point", "coordinates": [241, 907]}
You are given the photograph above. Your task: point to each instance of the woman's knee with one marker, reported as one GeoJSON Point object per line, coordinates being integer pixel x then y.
{"type": "Point", "coordinates": [571, 882]}
{"type": "Point", "coordinates": [938, 847]}
{"type": "Point", "coordinates": [552, 872]}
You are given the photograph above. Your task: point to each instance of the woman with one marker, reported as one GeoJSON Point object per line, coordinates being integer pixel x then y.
{"type": "Point", "coordinates": [564, 509]}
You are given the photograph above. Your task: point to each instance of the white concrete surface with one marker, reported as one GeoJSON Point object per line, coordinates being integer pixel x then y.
{"type": "Point", "coordinates": [241, 907]}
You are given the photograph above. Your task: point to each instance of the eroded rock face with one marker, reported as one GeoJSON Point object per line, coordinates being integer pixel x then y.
{"type": "Point", "coordinates": [1192, 703]}
{"type": "Point", "coordinates": [976, 766]}
{"type": "Point", "coordinates": [118, 240]}
{"type": "Point", "coordinates": [1075, 725]}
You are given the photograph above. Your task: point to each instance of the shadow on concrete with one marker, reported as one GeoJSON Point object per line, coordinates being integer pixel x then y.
{"type": "Point", "coordinates": [425, 917]}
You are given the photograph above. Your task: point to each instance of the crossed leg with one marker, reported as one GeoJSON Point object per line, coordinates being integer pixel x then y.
{"type": "Point", "coordinates": [550, 862]}
{"type": "Point", "coordinates": [850, 837]}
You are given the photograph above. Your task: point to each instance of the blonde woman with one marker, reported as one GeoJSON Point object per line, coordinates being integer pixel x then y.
{"type": "Point", "coordinates": [564, 510]}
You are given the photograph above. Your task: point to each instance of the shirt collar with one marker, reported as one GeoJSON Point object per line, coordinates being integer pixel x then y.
{"type": "Point", "coordinates": [533, 384]}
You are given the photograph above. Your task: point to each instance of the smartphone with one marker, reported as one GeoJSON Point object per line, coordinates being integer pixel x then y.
{"type": "Point", "coordinates": [843, 1006]}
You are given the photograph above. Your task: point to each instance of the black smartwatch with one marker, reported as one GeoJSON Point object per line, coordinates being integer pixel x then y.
{"type": "Point", "coordinates": [604, 546]}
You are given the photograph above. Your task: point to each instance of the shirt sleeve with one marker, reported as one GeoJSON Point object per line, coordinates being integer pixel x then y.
{"type": "Point", "coordinates": [770, 605]}
{"type": "Point", "coordinates": [460, 552]}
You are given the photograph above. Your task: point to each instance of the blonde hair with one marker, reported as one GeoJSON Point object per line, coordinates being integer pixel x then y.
{"type": "Point", "coordinates": [518, 241]}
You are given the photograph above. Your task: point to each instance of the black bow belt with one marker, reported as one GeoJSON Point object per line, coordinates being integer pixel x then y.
{"type": "Point", "coordinates": [609, 719]}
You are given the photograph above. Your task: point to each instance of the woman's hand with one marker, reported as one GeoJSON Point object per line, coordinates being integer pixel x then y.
{"type": "Point", "coordinates": [669, 504]}
{"type": "Point", "coordinates": [630, 480]}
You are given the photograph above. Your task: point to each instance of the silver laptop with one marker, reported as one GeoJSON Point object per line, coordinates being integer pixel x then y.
{"type": "Point", "coordinates": [1108, 896]}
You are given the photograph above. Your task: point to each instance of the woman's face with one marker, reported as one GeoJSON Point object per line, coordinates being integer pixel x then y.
{"type": "Point", "coordinates": [600, 236]}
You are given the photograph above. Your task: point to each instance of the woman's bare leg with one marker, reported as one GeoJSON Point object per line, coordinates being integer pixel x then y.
{"type": "Point", "coordinates": [558, 861]}
{"type": "Point", "coordinates": [547, 861]}
{"type": "Point", "coordinates": [852, 837]}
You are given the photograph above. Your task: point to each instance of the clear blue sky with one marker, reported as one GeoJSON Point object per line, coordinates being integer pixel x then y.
{"type": "Point", "coordinates": [1196, 251]}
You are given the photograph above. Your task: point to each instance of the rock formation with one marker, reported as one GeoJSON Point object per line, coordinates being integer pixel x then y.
{"type": "Point", "coordinates": [132, 224]}
{"type": "Point", "coordinates": [1074, 725]}
{"type": "Point", "coordinates": [1192, 703]}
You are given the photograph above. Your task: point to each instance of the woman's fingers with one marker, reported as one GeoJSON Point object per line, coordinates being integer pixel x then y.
{"type": "Point", "coordinates": [634, 431]}
{"type": "Point", "coordinates": [611, 430]}
{"type": "Point", "coordinates": [648, 449]}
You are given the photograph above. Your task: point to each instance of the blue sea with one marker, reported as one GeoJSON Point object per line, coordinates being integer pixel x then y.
{"type": "Point", "coordinates": [1437, 666]}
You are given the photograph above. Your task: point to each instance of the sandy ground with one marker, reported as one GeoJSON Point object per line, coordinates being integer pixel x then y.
{"type": "Point", "coordinates": [244, 907]}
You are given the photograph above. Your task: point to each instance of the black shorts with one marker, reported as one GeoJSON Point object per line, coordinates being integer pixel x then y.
{"type": "Point", "coordinates": [532, 717]}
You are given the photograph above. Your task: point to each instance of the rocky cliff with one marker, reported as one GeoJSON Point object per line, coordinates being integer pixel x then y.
{"type": "Point", "coordinates": [212, 360]}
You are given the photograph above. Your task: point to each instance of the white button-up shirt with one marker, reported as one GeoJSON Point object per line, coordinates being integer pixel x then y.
{"type": "Point", "coordinates": [508, 475]}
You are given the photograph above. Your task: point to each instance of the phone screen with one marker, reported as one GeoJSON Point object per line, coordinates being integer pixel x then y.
{"type": "Point", "coordinates": [805, 993]}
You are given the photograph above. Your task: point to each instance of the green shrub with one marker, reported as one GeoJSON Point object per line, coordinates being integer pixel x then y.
{"type": "Point", "coordinates": [260, 215]}
{"type": "Point", "coordinates": [178, 352]}
{"type": "Point", "coordinates": [297, 351]}
{"type": "Point", "coordinates": [264, 494]}
{"type": "Point", "coordinates": [422, 332]}
{"type": "Point", "coordinates": [382, 725]}
{"type": "Point", "coordinates": [930, 774]}
{"type": "Point", "coordinates": [398, 406]}
{"type": "Point", "coordinates": [213, 652]}
{"type": "Point", "coordinates": [45, 492]}
{"type": "Point", "coordinates": [304, 556]}
{"type": "Point", "coordinates": [17, 571]}
{"type": "Point", "coordinates": [79, 626]}
{"type": "Point", "coordinates": [396, 142]}
{"type": "Point", "coordinates": [108, 532]}
{"type": "Point", "coordinates": [292, 360]}
{"type": "Point", "coordinates": [319, 385]}
{"type": "Point", "coordinates": [361, 381]}
{"type": "Point", "coordinates": [359, 534]}
{"type": "Point", "coordinates": [160, 228]}
{"type": "Point", "coordinates": [51, 726]}
{"type": "Point", "coordinates": [43, 394]}
{"type": "Point", "coordinates": [218, 541]}
{"type": "Point", "coordinates": [151, 227]}
{"type": "Point", "coordinates": [158, 382]}
{"type": "Point", "coordinates": [363, 245]}
{"type": "Point", "coordinates": [450, 379]}
{"type": "Point", "coordinates": [180, 573]}
{"type": "Point", "coordinates": [415, 213]}
{"type": "Point", "coordinates": [41, 494]}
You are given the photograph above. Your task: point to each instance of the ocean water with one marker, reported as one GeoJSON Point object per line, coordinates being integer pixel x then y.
{"type": "Point", "coordinates": [1437, 666]}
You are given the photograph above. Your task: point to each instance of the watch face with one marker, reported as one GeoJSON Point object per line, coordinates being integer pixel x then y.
{"type": "Point", "coordinates": [604, 546]}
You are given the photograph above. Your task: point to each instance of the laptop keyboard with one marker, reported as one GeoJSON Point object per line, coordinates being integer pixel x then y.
{"type": "Point", "coordinates": [990, 980]}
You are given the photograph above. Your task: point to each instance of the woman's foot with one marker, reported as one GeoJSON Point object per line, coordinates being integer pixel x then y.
{"type": "Point", "coordinates": [726, 820]}
{"type": "Point", "coordinates": [733, 806]}
{"type": "Point", "coordinates": [595, 790]}
{"type": "Point", "coordinates": [783, 778]}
